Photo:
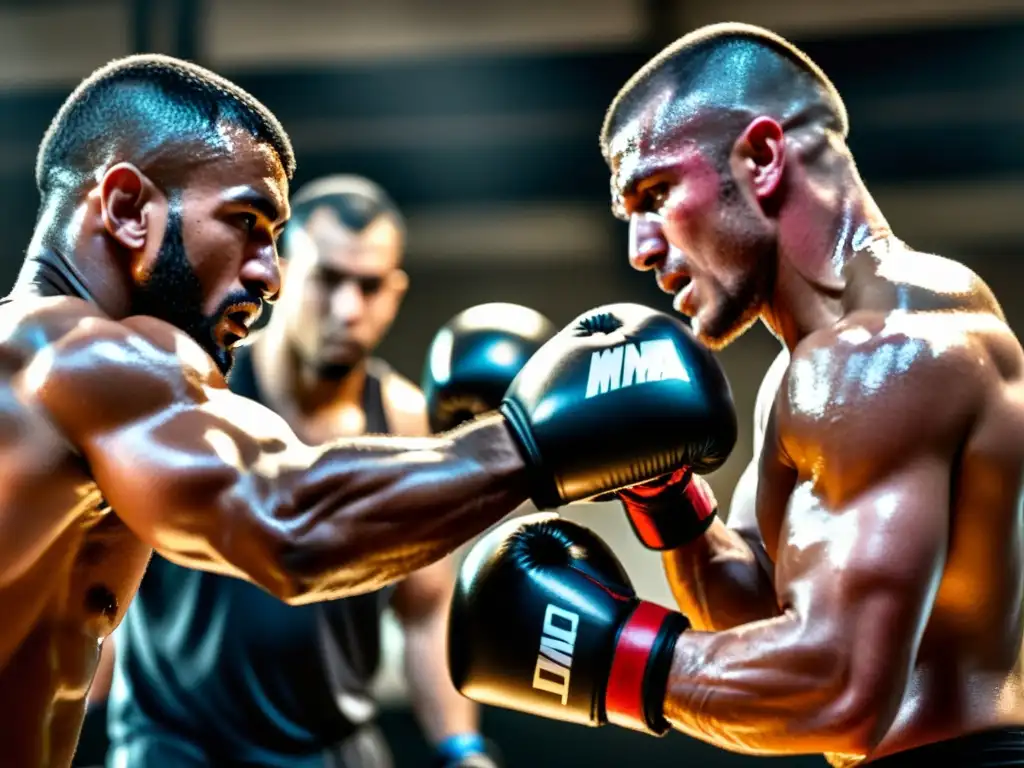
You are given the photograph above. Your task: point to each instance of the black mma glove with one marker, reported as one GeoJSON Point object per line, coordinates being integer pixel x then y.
{"type": "Point", "coordinates": [544, 620]}
{"type": "Point", "coordinates": [475, 356]}
{"type": "Point", "coordinates": [623, 395]}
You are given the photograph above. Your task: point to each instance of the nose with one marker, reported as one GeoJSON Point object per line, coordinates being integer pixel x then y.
{"type": "Point", "coordinates": [261, 274]}
{"type": "Point", "coordinates": [647, 244]}
{"type": "Point", "coordinates": [347, 302]}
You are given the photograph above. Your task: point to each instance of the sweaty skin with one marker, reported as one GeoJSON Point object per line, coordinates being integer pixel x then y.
{"type": "Point", "coordinates": [132, 415]}
{"type": "Point", "coordinates": [871, 603]}
{"type": "Point", "coordinates": [888, 504]}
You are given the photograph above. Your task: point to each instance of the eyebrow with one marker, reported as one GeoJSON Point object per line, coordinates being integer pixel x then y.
{"type": "Point", "coordinates": [259, 201]}
{"type": "Point", "coordinates": [639, 173]}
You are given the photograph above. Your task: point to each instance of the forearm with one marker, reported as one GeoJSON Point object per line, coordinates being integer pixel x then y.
{"type": "Point", "coordinates": [368, 513]}
{"type": "Point", "coordinates": [719, 582]}
{"type": "Point", "coordinates": [770, 688]}
{"type": "Point", "coordinates": [441, 710]}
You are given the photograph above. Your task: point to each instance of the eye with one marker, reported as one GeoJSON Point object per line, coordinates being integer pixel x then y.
{"type": "Point", "coordinates": [653, 197]}
{"type": "Point", "coordinates": [248, 221]}
{"type": "Point", "coordinates": [371, 285]}
{"type": "Point", "coordinates": [326, 278]}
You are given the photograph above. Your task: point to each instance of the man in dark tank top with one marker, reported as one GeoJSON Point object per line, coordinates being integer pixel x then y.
{"type": "Point", "coordinates": [213, 671]}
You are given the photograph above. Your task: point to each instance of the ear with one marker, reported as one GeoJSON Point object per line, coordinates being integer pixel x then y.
{"type": "Point", "coordinates": [762, 151]}
{"type": "Point", "coordinates": [398, 283]}
{"type": "Point", "coordinates": [126, 197]}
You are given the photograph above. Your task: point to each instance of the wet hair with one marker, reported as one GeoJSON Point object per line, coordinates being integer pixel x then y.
{"type": "Point", "coordinates": [738, 69]}
{"type": "Point", "coordinates": [163, 114]}
{"type": "Point", "coordinates": [356, 201]}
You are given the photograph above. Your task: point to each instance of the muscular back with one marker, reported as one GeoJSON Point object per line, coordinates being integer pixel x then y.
{"type": "Point", "coordinates": [889, 499]}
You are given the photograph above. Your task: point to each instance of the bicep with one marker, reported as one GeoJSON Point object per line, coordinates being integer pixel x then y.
{"type": "Point", "coordinates": [187, 465]}
{"type": "Point", "coordinates": [197, 480]}
{"type": "Point", "coordinates": [863, 570]}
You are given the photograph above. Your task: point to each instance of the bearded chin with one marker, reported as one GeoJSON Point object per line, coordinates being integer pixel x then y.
{"type": "Point", "coordinates": [172, 293]}
{"type": "Point", "coordinates": [334, 371]}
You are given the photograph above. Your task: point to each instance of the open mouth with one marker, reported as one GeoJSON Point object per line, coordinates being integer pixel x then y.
{"type": "Point", "coordinates": [674, 282]}
{"type": "Point", "coordinates": [237, 320]}
{"type": "Point", "coordinates": [679, 285]}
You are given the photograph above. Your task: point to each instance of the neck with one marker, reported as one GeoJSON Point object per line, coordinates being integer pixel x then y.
{"type": "Point", "coordinates": [829, 219]}
{"type": "Point", "coordinates": [82, 258]}
{"type": "Point", "coordinates": [290, 383]}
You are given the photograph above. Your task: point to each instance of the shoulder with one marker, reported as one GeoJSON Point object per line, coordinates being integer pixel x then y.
{"type": "Point", "coordinates": [135, 344]}
{"type": "Point", "coordinates": [405, 404]}
{"type": "Point", "coordinates": [895, 379]}
{"type": "Point", "coordinates": [31, 324]}
{"type": "Point", "coordinates": [101, 371]}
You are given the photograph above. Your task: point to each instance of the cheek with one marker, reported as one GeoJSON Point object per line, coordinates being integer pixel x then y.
{"type": "Point", "coordinates": [380, 310]}
{"type": "Point", "coordinates": [692, 206]}
{"type": "Point", "coordinates": [688, 215]}
{"type": "Point", "coordinates": [215, 252]}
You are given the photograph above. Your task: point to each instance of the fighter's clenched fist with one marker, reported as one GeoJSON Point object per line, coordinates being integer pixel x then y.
{"type": "Point", "coordinates": [545, 620]}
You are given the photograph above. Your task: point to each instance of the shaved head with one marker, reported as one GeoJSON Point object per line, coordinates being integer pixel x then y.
{"type": "Point", "coordinates": [698, 141]}
{"type": "Point", "coordinates": [730, 72]}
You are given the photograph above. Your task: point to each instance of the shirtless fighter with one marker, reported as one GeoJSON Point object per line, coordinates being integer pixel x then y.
{"type": "Point", "coordinates": [243, 677]}
{"type": "Point", "coordinates": [874, 614]}
{"type": "Point", "coordinates": [164, 188]}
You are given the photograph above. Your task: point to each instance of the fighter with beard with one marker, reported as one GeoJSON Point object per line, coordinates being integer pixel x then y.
{"type": "Point", "coordinates": [120, 435]}
{"type": "Point", "coordinates": [291, 685]}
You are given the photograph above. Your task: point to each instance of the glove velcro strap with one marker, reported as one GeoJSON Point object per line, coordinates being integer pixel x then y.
{"type": "Point", "coordinates": [640, 669]}
{"type": "Point", "coordinates": [671, 519]}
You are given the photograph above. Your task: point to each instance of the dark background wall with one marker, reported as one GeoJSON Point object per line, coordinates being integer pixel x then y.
{"type": "Point", "coordinates": [481, 119]}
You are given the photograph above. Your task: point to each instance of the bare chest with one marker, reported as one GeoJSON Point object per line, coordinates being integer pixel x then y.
{"type": "Point", "coordinates": [104, 573]}
{"type": "Point", "coordinates": [85, 581]}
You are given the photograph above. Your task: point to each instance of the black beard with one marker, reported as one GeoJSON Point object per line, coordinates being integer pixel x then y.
{"type": "Point", "coordinates": [334, 371]}
{"type": "Point", "coordinates": [172, 293]}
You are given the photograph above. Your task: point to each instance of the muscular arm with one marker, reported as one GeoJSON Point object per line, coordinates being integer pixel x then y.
{"type": "Point", "coordinates": [215, 481]}
{"type": "Point", "coordinates": [724, 578]}
{"type": "Point", "coordinates": [862, 550]}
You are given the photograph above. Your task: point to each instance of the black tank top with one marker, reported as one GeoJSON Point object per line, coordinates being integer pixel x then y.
{"type": "Point", "coordinates": [223, 664]}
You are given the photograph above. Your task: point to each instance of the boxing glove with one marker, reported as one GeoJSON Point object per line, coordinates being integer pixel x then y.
{"type": "Point", "coordinates": [544, 620]}
{"type": "Point", "coordinates": [623, 395]}
{"type": "Point", "coordinates": [670, 511]}
{"type": "Point", "coordinates": [475, 356]}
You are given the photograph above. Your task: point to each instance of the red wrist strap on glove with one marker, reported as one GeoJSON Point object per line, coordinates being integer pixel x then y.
{"type": "Point", "coordinates": [668, 513]}
{"type": "Point", "coordinates": [640, 668]}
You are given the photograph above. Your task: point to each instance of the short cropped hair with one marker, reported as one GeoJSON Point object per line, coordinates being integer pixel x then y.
{"type": "Point", "coordinates": [147, 108]}
{"type": "Point", "coordinates": [734, 67]}
{"type": "Point", "coordinates": [356, 201]}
